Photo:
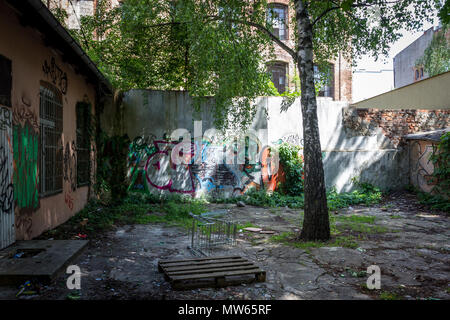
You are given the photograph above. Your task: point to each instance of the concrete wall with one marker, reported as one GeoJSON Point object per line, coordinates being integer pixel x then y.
{"type": "Point", "coordinates": [370, 83]}
{"type": "Point", "coordinates": [30, 58]}
{"type": "Point", "coordinates": [348, 153]}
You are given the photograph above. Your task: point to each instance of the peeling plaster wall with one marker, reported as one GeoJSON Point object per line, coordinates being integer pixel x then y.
{"type": "Point", "coordinates": [32, 63]}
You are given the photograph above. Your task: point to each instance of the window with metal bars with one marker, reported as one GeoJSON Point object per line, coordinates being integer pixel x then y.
{"type": "Point", "coordinates": [83, 110]}
{"type": "Point", "coordinates": [51, 153]}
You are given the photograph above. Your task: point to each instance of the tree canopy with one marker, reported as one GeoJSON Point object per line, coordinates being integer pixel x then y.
{"type": "Point", "coordinates": [436, 58]}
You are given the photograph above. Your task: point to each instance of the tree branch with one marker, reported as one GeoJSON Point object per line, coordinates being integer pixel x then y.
{"type": "Point", "coordinates": [239, 21]}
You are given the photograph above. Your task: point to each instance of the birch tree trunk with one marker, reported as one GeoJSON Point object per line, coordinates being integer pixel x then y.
{"type": "Point", "coordinates": [316, 225]}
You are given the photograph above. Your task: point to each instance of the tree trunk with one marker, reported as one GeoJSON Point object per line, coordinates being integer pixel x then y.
{"type": "Point", "coordinates": [316, 225]}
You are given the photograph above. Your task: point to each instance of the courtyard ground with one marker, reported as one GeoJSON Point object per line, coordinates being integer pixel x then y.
{"type": "Point", "coordinates": [409, 243]}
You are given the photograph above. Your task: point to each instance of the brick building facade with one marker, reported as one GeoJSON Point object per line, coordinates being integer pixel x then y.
{"type": "Point", "coordinates": [282, 68]}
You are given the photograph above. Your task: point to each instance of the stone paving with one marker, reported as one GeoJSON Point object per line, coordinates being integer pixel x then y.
{"type": "Point", "coordinates": [412, 253]}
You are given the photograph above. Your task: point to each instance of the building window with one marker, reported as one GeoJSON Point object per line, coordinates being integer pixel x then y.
{"type": "Point", "coordinates": [278, 74]}
{"type": "Point", "coordinates": [277, 16]}
{"type": "Point", "coordinates": [83, 110]}
{"type": "Point", "coordinates": [51, 125]}
{"type": "Point", "coordinates": [325, 77]}
{"type": "Point", "coordinates": [5, 81]}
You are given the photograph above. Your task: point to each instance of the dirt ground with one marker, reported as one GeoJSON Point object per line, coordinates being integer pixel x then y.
{"type": "Point", "coordinates": [412, 253]}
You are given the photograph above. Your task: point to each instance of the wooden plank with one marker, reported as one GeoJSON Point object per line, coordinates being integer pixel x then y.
{"type": "Point", "coordinates": [200, 259]}
{"type": "Point", "coordinates": [216, 274]}
{"type": "Point", "coordinates": [200, 263]}
{"type": "Point", "coordinates": [223, 265]}
{"type": "Point", "coordinates": [213, 270]}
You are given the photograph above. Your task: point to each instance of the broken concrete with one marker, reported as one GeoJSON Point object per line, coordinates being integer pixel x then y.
{"type": "Point", "coordinates": [41, 260]}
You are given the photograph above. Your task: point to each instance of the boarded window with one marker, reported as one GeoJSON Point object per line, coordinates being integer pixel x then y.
{"type": "Point", "coordinates": [83, 110]}
{"type": "Point", "coordinates": [5, 81]}
{"type": "Point", "coordinates": [277, 15]}
{"type": "Point", "coordinates": [51, 125]}
{"type": "Point", "coordinates": [278, 74]}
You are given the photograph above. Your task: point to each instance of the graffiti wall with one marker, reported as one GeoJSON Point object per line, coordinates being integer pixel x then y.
{"type": "Point", "coordinates": [7, 230]}
{"type": "Point", "coordinates": [421, 167]}
{"type": "Point", "coordinates": [228, 167]}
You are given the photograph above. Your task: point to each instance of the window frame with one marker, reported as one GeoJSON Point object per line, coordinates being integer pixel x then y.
{"type": "Point", "coordinates": [83, 142]}
{"type": "Point", "coordinates": [285, 8]}
{"type": "Point", "coordinates": [281, 66]}
{"type": "Point", "coordinates": [53, 131]}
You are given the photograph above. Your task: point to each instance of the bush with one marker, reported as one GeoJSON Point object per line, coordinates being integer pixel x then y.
{"type": "Point", "coordinates": [292, 163]}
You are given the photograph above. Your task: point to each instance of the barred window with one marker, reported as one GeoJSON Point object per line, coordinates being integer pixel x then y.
{"type": "Point", "coordinates": [83, 110]}
{"type": "Point", "coordinates": [51, 126]}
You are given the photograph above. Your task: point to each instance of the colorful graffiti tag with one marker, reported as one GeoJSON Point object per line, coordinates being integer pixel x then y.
{"type": "Point", "coordinates": [26, 176]}
{"type": "Point", "coordinates": [229, 168]}
{"type": "Point", "coordinates": [6, 186]}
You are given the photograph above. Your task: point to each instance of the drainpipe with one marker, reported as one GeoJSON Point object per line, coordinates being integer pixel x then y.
{"type": "Point", "coordinates": [339, 76]}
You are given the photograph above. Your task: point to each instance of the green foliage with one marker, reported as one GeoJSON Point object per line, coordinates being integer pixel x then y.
{"type": "Point", "coordinates": [366, 194]}
{"type": "Point", "coordinates": [111, 167]}
{"type": "Point", "coordinates": [136, 208]}
{"type": "Point", "coordinates": [436, 58]}
{"type": "Point", "coordinates": [290, 239]}
{"type": "Point", "coordinates": [217, 47]}
{"type": "Point", "coordinates": [435, 201]}
{"type": "Point", "coordinates": [441, 160]}
{"type": "Point", "coordinates": [292, 162]}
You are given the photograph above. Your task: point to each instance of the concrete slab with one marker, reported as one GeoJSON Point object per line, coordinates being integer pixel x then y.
{"type": "Point", "coordinates": [41, 260]}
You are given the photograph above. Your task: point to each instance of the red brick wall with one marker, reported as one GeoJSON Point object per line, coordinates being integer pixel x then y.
{"type": "Point", "coordinates": [395, 123]}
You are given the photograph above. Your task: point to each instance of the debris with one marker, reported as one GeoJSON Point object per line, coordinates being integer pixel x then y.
{"type": "Point", "coordinates": [267, 231]}
{"type": "Point", "coordinates": [240, 204]}
{"type": "Point", "coordinates": [251, 229]}
{"type": "Point", "coordinates": [18, 255]}
{"type": "Point", "coordinates": [74, 296]}
{"type": "Point", "coordinates": [84, 222]}
{"type": "Point", "coordinates": [361, 250]}
{"type": "Point", "coordinates": [26, 289]}
{"type": "Point", "coordinates": [81, 236]}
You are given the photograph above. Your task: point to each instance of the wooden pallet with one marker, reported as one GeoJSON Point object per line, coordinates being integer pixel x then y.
{"type": "Point", "coordinates": [210, 272]}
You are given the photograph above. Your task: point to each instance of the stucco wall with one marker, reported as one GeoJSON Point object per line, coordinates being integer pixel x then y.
{"type": "Point", "coordinates": [32, 63]}
{"type": "Point", "coordinates": [431, 94]}
{"type": "Point", "coordinates": [348, 154]}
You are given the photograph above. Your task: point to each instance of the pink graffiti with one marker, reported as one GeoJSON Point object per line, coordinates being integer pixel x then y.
{"type": "Point", "coordinates": [163, 174]}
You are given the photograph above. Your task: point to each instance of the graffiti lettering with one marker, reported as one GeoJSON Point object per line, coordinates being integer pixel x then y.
{"type": "Point", "coordinates": [55, 73]}
{"type": "Point", "coordinates": [70, 165]}
{"type": "Point", "coordinates": [5, 119]}
{"type": "Point", "coordinates": [68, 200]}
{"type": "Point", "coordinates": [199, 167]}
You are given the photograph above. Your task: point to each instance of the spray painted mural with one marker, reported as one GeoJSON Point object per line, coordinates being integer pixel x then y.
{"type": "Point", "coordinates": [25, 146]}
{"type": "Point", "coordinates": [421, 167]}
{"type": "Point", "coordinates": [7, 231]}
{"type": "Point", "coordinates": [227, 168]}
